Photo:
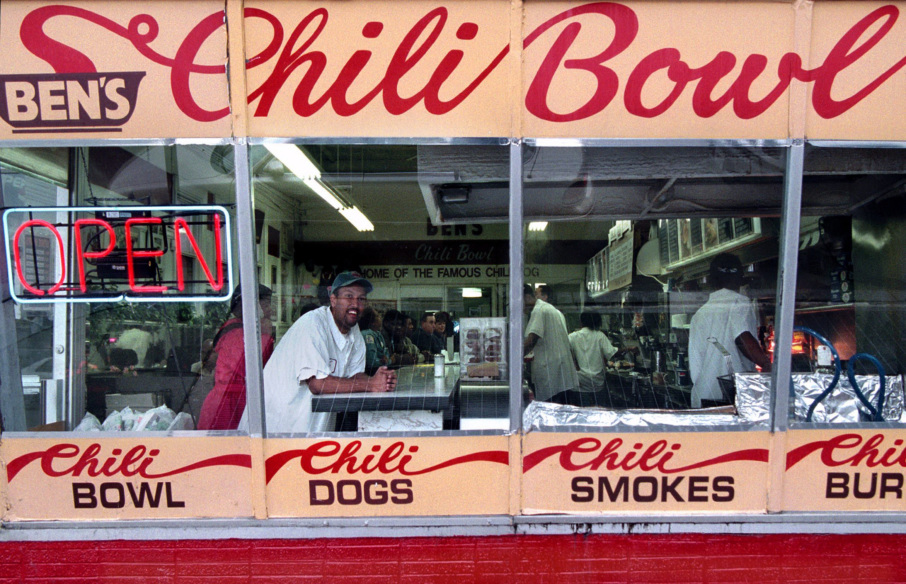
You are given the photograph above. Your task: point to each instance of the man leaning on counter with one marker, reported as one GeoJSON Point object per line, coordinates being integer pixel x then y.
{"type": "Point", "coordinates": [322, 352]}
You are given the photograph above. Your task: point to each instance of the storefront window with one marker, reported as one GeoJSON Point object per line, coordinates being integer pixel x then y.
{"type": "Point", "coordinates": [121, 262]}
{"type": "Point", "coordinates": [388, 270]}
{"type": "Point", "coordinates": [660, 265]}
{"type": "Point", "coordinates": [850, 300]}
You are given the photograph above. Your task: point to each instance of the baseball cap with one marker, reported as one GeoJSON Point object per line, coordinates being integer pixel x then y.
{"type": "Point", "coordinates": [344, 279]}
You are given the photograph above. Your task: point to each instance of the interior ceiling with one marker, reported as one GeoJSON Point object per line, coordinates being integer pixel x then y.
{"type": "Point", "coordinates": [401, 184]}
{"type": "Point", "coordinates": [467, 184]}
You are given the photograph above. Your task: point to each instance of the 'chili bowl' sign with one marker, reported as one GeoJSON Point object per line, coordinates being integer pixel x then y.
{"type": "Point", "coordinates": [109, 254]}
{"type": "Point", "coordinates": [127, 478]}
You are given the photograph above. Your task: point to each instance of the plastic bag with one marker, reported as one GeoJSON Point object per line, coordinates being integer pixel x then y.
{"type": "Point", "coordinates": [121, 421]}
{"type": "Point", "coordinates": [155, 420]}
{"type": "Point", "coordinates": [89, 423]}
{"type": "Point", "coordinates": [182, 421]}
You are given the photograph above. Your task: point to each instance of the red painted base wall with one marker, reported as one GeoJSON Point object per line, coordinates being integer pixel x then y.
{"type": "Point", "coordinates": [764, 559]}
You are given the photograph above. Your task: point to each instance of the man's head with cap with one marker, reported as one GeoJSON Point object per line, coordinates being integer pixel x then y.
{"type": "Point", "coordinates": [726, 272]}
{"type": "Point", "coordinates": [348, 298]}
{"type": "Point", "coordinates": [264, 296]}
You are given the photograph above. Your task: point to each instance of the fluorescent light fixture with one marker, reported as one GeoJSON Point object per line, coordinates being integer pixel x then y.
{"type": "Point", "coordinates": [357, 218]}
{"type": "Point", "coordinates": [295, 159]}
{"type": "Point", "coordinates": [322, 191]}
{"type": "Point", "coordinates": [471, 292]}
{"type": "Point", "coordinates": [537, 226]}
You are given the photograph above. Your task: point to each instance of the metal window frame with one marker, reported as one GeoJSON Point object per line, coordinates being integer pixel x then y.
{"type": "Point", "coordinates": [788, 522]}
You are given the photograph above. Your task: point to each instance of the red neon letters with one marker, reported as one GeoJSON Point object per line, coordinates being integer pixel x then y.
{"type": "Point", "coordinates": [181, 228]}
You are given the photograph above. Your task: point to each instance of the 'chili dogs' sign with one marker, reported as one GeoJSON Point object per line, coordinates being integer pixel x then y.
{"type": "Point", "coordinates": [117, 478]}
{"type": "Point", "coordinates": [108, 254]}
{"type": "Point", "coordinates": [452, 68]}
{"type": "Point", "coordinates": [853, 470]}
{"type": "Point", "coordinates": [645, 472]}
{"type": "Point", "coordinates": [387, 477]}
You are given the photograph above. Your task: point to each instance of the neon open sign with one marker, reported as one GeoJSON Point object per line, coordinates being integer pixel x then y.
{"type": "Point", "coordinates": [109, 254]}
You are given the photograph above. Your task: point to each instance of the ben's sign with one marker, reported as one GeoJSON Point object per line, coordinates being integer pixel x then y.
{"type": "Point", "coordinates": [97, 102]}
{"type": "Point", "coordinates": [108, 254]}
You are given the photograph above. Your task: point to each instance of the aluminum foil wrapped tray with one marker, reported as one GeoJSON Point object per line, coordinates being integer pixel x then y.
{"type": "Point", "coordinates": [752, 406]}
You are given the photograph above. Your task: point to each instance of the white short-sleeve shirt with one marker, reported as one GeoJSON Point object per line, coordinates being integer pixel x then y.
{"type": "Point", "coordinates": [725, 316]}
{"type": "Point", "coordinates": [312, 347]}
{"type": "Point", "coordinates": [553, 370]}
{"type": "Point", "coordinates": [592, 349]}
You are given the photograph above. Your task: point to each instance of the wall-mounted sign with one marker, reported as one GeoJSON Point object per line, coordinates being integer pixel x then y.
{"type": "Point", "coordinates": [412, 476]}
{"type": "Point", "coordinates": [844, 470]}
{"type": "Point", "coordinates": [127, 478]}
{"type": "Point", "coordinates": [591, 474]}
{"type": "Point", "coordinates": [104, 69]}
{"type": "Point", "coordinates": [108, 254]}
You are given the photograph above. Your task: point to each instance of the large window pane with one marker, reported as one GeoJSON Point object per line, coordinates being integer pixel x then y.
{"type": "Point", "coordinates": [95, 349]}
{"type": "Point", "coordinates": [850, 286]}
{"type": "Point", "coordinates": [419, 233]}
{"type": "Point", "coordinates": [619, 247]}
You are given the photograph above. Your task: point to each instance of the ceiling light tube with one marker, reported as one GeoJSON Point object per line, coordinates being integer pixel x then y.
{"type": "Point", "coordinates": [537, 226]}
{"type": "Point", "coordinates": [295, 160]}
{"type": "Point", "coordinates": [357, 218]}
{"type": "Point", "coordinates": [325, 193]}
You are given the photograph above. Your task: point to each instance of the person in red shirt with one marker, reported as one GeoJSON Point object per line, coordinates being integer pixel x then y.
{"type": "Point", "coordinates": [224, 405]}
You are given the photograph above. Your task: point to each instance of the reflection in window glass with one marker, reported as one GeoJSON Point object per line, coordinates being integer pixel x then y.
{"type": "Point", "coordinates": [650, 283]}
{"type": "Point", "coordinates": [91, 362]}
{"type": "Point", "coordinates": [388, 267]}
{"type": "Point", "coordinates": [850, 286]}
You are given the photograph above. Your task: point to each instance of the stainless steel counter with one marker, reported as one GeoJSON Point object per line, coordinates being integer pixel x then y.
{"type": "Point", "coordinates": [416, 389]}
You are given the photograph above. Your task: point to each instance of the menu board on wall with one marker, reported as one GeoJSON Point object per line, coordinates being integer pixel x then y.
{"type": "Point", "coordinates": [619, 265]}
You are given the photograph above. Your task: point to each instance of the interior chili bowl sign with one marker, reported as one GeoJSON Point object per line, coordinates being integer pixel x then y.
{"type": "Point", "coordinates": [109, 254]}
{"type": "Point", "coordinates": [645, 472]}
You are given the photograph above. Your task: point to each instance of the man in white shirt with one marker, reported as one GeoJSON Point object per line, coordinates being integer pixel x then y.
{"type": "Point", "coordinates": [553, 371]}
{"type": "Point", "coordinates": [592, 350]}
{"type": "Point", "coordinates": [729, 319]}
{"type": "Point", "coordinates": [323, 352]}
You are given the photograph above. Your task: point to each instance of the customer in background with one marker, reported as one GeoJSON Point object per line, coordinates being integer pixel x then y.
{"type": "Point", "coordinates": [376, 352]}
{"type": "Point", "coordinates": [402, 350]}
{"type": "Point", "coordinates": [225, 403]}
{"type": "Point", "coordinates": [729, 319]}
{"type": "Point", "coordinates": [428, 344]}
{"type": "Point", "coordinates": [553, 370]}
{"type": "Point", "coordinates": [443, 329]}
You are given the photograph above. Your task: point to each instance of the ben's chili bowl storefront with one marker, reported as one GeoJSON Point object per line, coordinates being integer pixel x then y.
{"type": "Point", "coordinates": [574, 234]}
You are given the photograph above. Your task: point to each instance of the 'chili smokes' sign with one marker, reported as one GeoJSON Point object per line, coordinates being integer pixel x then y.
{"type": "Point", "coordinates": [645, 472]}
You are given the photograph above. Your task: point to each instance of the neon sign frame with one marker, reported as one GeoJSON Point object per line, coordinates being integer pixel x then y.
{"type": "Point", "coordinates": [138, 293]}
